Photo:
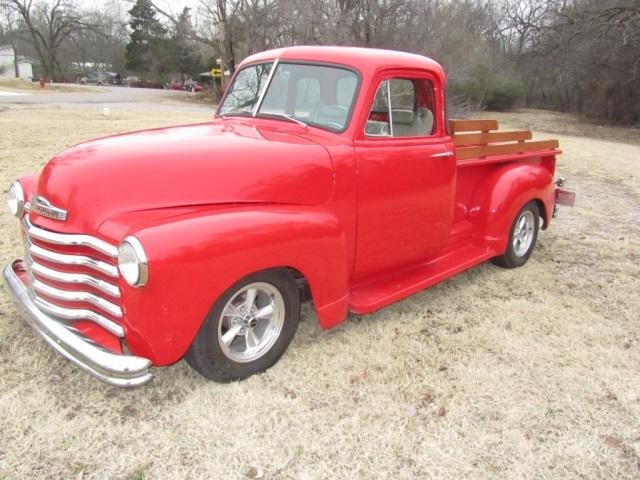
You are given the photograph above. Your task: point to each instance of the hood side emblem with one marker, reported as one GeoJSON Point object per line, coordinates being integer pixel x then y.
{"type": "Point", "coordinates": [43, 207]}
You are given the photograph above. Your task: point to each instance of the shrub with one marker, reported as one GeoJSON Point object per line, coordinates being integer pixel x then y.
{"type": "Point", "coordinates": [486, 90]}
{"type": "Point", "coordinates": [503, 94]}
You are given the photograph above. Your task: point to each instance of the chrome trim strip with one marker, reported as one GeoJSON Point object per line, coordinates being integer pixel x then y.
{"type": "Point", "coordinates": [264, 91]}
{"type": "Point", "coordinates": [79, 260]}
{"type": "Point", "coordinates": [389, 106]}
{"type": "Point", "coordinates": [74, 278]}
{"type": "Point", "coordinates": [77, 296]}
{"type": "Point", "coordinates": [442, 155]}
{"type": "Point", "coordinates": [114, 369]}
{"type": "Point", "coordinates": [70, 239]}
{"type": "Point", "coordinates": [76, 314]}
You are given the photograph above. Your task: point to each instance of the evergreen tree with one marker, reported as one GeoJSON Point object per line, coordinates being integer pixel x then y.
{"type": "Point", "coordinates": [147, 45]}
{"type": "Point", "coordinates": [185, 59]}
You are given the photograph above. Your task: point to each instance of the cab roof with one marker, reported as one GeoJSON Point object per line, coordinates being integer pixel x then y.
{"type": "Point", "coordinates": [366, 60]}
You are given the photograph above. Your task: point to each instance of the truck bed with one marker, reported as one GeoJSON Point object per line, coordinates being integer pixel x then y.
{"type": "Point", "coordinates": [478, 142]}
{"type": "Point", "coordinates": [480, 148]}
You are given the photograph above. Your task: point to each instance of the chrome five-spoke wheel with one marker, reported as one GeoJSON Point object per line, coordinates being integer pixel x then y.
{"type": "Point", "coordinates": [248, 328]}
{"type": "Point", "coordinates": [251, 322]}
{"type": "Point", "coordinates": [522, 237]}
{"type": "Point", "coordinates": [523, 233]}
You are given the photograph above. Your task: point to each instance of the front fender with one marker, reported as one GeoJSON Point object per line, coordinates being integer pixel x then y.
{"type": "Point", "coordinates": [502, 194]}
{"type": "Point", "coordinates": [194, 258]}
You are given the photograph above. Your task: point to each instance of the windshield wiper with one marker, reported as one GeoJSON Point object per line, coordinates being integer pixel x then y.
{"type": "Point", "coordinates": [288, 117]}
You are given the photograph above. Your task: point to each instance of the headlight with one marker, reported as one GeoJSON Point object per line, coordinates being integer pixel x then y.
{"type": "Point", "coordinates": [132, 262]}
{"type": "Point", "coordinates": [15, 199]}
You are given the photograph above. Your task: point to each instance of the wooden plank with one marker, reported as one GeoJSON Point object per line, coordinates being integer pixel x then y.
{"type": "Point", "coordinates": [456, 126]}
{"type": "Point", "coordinates": [493, 137]}
{"type": "Point", "coordinates": [488, 150]}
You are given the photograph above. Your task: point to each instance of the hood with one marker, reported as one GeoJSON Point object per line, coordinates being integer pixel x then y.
{"type": "Point", "coordinates": [203, 164]}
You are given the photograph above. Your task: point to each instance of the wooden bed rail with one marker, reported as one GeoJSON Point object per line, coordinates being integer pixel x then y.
{"type": "Point", "coordinates": [485, 141]}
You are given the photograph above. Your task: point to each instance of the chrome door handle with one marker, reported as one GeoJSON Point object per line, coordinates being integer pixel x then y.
{"type": "Point", "coordinates": [442, 155]}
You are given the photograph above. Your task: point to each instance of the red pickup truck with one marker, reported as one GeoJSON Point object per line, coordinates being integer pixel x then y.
{"type": "Point", "coordinates": [329, 174]}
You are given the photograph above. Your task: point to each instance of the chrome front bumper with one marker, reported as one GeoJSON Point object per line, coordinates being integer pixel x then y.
{"type": "Point", "coordinates": [112, 368]}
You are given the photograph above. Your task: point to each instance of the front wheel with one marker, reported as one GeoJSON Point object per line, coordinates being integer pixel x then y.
{"type": "Point", "coordinates": [248, 328]}
{"type": "Point", "coordinates": [522, 237]}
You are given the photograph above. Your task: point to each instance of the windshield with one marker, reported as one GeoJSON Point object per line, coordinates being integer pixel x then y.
{"type": "Point", "coordinates": [318, 95]}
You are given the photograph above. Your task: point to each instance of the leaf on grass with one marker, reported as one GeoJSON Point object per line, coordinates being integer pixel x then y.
{"type": "Point", "coordinates": [610, 441]}
{"type": "Point", "coordinates": [359, 378]}
{"type": "Point", "coordinates": [426, 395]}
{"type": "Point", "coordinates": [288, 393]}
{"type": "Point", "coordinates": [254, 472]}
{"type": "Point", "coordinates": [441, 411]}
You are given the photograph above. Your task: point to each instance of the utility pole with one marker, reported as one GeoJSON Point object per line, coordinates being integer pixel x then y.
{"type": "Point", "coordinates": [15, 58]}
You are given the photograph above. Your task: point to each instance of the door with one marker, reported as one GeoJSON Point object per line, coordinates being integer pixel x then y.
{"type": "Point", "coordinates": [406, 178]}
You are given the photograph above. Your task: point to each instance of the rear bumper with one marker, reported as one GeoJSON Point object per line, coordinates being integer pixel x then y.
{"type": "Point", "coordinates": [112, 368]}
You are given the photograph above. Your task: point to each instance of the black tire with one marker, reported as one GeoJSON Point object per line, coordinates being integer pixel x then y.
{"type": "Point", "coordinates": [206, 354]}
{"type": "Point", "coordinates": [513, 258]}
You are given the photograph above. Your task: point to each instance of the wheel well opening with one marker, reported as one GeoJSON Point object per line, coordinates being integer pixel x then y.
{"type": "Point", "coordinates": [301, 282]}
{"type": "Point", "coordinates": [543, 213]}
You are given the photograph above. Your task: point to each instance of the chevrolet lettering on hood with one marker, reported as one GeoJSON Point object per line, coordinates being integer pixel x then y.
{"type": "Point", "coordinates": [43, 207]}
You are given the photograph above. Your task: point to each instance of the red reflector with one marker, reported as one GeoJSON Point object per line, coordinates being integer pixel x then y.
{"type": "Point", "coordinates": [564, 197]}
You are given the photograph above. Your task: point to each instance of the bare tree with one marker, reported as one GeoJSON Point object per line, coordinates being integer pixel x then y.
{"type": "Point", "coordinates": [46, 26]}
{"type": "Point", "coordinates": [579, 55]}
{"type": "Point", "coordinates": [8, 33]}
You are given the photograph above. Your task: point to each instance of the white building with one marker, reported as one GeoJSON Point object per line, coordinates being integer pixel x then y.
{"type": "Point", "coordinates": [8, 63]}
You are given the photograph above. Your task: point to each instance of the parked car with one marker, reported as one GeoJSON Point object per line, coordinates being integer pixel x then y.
{"type": "Point", "coordinates": [131, 81]}
{"type": "Point", "coordinates": [146, 84]}
{"type": "Point", "coordinates": [188, 86]}
{"type": "Point", "coordinates": [327, 173]}
{"type": "Point", "coordinates": [101, 78]}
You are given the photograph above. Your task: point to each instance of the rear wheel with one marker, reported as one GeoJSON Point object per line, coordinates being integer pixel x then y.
{"type": "Point", "coordinates": [248, 328]}
{"type": "Point", "coordinates": [522, 237]}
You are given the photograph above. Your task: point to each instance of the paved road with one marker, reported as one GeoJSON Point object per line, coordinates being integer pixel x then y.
{"type": "Point", "coordinates": [112, 97]}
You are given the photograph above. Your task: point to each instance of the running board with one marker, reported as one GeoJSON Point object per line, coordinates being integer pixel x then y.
{"type": "Point", "coordinates": [375, 294]}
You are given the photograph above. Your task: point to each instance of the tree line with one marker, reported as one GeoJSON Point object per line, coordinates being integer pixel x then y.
{"type": "Point", "coordinates": [571, 55]}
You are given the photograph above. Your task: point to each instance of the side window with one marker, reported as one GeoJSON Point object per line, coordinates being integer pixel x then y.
{"type": "Point", "coordinates": [378, 124]}
{"type": "Point", "coordinates": [402, 108]}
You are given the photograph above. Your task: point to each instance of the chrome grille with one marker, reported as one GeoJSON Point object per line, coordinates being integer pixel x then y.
{"type": "Point", "coordinates": [78, 283]}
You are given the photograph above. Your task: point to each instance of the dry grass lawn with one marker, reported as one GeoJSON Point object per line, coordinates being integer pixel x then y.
{"type": "Point", "coordinates": [526, 373]}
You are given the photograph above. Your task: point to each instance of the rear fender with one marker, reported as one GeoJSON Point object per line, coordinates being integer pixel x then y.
{"type": "Point", "coordinates": [502, 194]}
{"type": "Point", "coordinates": [193, 259]}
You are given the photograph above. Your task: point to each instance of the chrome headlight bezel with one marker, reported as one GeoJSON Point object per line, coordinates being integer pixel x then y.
{"type": "Point", "coordinates": [133, 263]}
{"type": "Point", "coordinates": [15, 199]}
